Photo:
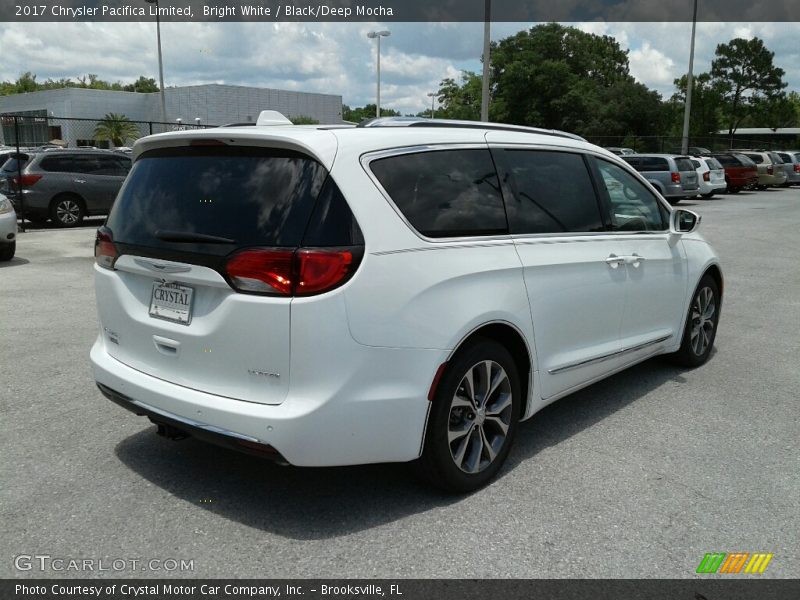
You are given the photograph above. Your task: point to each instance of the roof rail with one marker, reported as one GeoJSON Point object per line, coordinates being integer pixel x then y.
{"type": "Point", "coordinates": [423, 122]}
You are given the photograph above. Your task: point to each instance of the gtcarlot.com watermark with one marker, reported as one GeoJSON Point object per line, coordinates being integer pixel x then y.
{"type": "Point", "coordinates": [61, 564]}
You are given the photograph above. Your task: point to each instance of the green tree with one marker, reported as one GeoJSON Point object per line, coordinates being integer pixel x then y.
{"type": "Point", "coordinates": [535, 71]}
{"type": "Point", "coordinates": [303, 120]}
{"type": "Point", "coordinates": [116, 128]}
{"type": "Point", "coordinates": [460, 100]}
{"type": "Point", "coordinates": [706, 100]}
{"type": "Point", "coordinates": [143, 85]}
{"type": "Point", "coordinates": [356, 115]}
{"type": "Point", "coordinates": [746, 76]}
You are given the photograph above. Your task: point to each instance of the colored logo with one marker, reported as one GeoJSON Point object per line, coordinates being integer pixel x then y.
{"type": "Point", "coordinates": [734, 562]}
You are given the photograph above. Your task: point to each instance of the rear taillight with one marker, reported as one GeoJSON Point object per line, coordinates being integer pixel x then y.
{"type": "Point", "coordinates": [770, 170]}
{"type": "Point", "coordinates": [27, 180]}
{"type": "Point", "coordinates": [262, 271]}
{"type": "Point", "coordinates": [707, 176]}
{"type": "Point", "coordinates": [797, 167]}
{"type": "Point", "coordinates": [105, 253]}
{"type": "Point", "coordinates": [321, 270]}
{"type": "Point", "coordinates": [302, 272]}
{"type": "Point", "coordinates": [676, 177]}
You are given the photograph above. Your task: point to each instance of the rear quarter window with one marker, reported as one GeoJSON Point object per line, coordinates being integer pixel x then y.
{"type": "Point", "coordinates": [445, 193]}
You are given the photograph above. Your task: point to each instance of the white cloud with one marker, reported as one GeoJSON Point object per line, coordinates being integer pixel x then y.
{"type": "Point", "coordinates": [338, 58]}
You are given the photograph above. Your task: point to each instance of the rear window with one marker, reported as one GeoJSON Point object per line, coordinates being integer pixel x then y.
{"type": "Point", "coordinates": [445, 193]}
{"type": "Point", "coordinates": [16, 162]}
{"type": "Point", "coordinates": [785, 157]}
{"type": "Point", "coordinates": [684, 164]}
{"type": "Point", "coordinates": [775, 158]}
{"type": "Point", "coordinates": [745, 160]}
{"type": "Point", "coordinates": [253, 196]}
{"type": "Point", "coordinates": [696, 164]}
{"type": "Point", "coordinates": [713, 163]}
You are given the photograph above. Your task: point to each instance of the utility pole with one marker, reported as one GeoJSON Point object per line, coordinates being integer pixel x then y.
{"type": "Point", "coordinates": [688, 108]}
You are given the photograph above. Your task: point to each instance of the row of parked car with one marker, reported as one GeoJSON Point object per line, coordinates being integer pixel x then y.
{"type": "Point", "coordinates": [62, 185]}
{"type": "Point", "coordinates": [708, 173]}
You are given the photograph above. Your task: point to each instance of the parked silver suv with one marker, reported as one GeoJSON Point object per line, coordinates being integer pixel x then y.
{"type": "Point", "coordinates": [63, 185]}
{"type": "Point", "coordinates": [673, 176]}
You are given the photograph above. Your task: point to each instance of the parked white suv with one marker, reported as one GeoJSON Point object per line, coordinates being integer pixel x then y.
{"type": "Point", "coordinates": [406, 290]}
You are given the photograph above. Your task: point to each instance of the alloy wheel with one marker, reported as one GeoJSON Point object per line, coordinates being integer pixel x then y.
{"type": "Point", "coordinates": [68, 212]}
{"type": "Point", "coordinates": [704, 308]}
{"type": "Point", "coordinates": [480, 416]}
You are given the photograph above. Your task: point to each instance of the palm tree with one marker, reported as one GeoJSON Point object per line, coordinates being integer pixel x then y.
{"type": "Point", "coordinates": [116, 128]}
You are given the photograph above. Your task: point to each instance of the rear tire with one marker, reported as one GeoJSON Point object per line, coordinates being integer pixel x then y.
{"type": "Point", "coordinates": [473, 418]}
{"type": "Point", "coordinates": [708, 196]}
{"type": "Point", "coordinates": [734, 190]}
{"type": "Point", "coordinates": [7, 251]}
{"type": "Point", "coordinates": [67, 211]}
{"type": "Point", "coordinates": [700, 330]}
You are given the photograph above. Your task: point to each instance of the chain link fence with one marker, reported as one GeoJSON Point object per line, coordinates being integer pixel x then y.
{"type": "Point", "coordinates": [30, 131]}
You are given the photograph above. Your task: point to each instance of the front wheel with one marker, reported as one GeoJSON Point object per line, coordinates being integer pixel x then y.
{"type": "Point", "coordinates": [7, 251]}
{"type": "Point", "coordinates": [701, 324]}
{"type": "Point", "coordinates": [473, 418]}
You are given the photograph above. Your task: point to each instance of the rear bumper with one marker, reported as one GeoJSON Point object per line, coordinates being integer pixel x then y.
{"type": "Point", "coordinates": [380, 424]}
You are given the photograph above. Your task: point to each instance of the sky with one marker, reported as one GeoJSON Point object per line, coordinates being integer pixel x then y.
{"type": "Point", "coordinates": [338, 58]}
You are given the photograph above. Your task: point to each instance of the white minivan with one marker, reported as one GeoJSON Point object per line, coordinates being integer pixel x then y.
{"type": "Point", "coordinates": [405, 290]}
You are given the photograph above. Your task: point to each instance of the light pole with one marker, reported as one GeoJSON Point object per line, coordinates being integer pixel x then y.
{"type": "Point", "coordinates": [160, 63]}
{"type": "Point", "coordinates": [432, 96]}
{"type": "Point", "coordinates": [487, 63]}
{"type": "Point", "coordinates": [688, 108]}
{"type": "Point", "coordinates": [372, 35]}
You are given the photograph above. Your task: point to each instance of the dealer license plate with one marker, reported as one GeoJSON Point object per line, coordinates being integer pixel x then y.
{"type": "Point", "coordinates": [172, 302]}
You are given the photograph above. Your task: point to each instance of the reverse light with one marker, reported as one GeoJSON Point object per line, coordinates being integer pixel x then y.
{"type": "Point", "coordinates": [105, 253]}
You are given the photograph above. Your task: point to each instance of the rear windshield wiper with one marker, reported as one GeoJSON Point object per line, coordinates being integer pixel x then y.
{"type": "Point", "coordinates": [185, 237]}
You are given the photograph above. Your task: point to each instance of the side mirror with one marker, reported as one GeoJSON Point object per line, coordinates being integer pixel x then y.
{"type": "Point", "coordinates": [683, 221]}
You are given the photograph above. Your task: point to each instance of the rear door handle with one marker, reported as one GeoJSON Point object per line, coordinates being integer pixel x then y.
{"type": "Point", "coordinates": [634, 259]}
{"type": "Point", "coordinates": [615, 261]}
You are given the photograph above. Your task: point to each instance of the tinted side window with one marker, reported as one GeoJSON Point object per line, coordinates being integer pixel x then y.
{"type": "Point", "coordinates": [109, 165]}
{"type": "Point", "coordinates": [87, 164]}
{"type": "Point", "coordinates": [332, 222]}
{"type": "Point", "coordinates": [654, 163]}
{"type": "Point", "coordinates": [633, 206]}
{"type": "Point", "coordinates": [445, 193]}
{"type": "Point", "coordinates": [756, 158]}
{"type": "Point", "coordinates": [57, 164]}
{"type": "Point", "coordinates": [636, 163]}
{"type": "Point", "coordinates": [553, 193]}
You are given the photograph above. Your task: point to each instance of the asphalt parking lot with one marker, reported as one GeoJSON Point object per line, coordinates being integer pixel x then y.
{"type": "Point", "coordinates": [637, 476]}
